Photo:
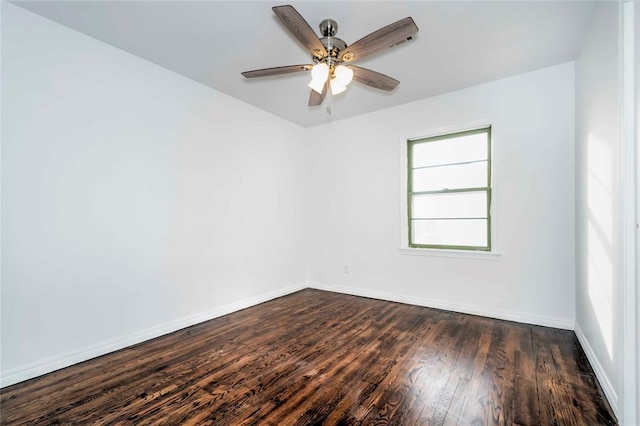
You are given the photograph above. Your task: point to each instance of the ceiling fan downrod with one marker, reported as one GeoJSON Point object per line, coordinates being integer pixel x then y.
{"type": "Point", "coordinates": [334, 45]}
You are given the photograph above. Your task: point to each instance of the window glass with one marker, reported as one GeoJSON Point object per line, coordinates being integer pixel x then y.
{"type": "Point", "coordinates": [456, 149]}
{"type": "Point", "coordinates": [449, 205]}
{"type": "Point", "coordinates": [469, 175]}
{"type": "Point", "coordinates": [451, 233]}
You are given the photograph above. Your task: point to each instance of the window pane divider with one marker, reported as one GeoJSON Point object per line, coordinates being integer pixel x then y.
{"type": "Point", "coordinates": [460, 163]}
{"type": "Point", "coordinates": [449, 191]}
{"type": "Point", "coordinates": [449, 218]}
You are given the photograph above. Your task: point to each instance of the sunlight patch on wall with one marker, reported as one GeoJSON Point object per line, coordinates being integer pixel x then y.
{"type": "Point", "coordinates": [600, 235]}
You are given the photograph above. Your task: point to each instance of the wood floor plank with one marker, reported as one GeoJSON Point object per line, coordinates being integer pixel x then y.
{"type": "Point", "coordinates": [317, 357]}
{"type": "Point", "coordinates": [386, 404]}
{"type": "Point", "coordinates": [434, 387]}
{"type": "Point", "coordinates": [345, 411]}
{"type": "Point", "coordinates": [468, 390]}
{"type": "Point", "coordinates": [360, 340]}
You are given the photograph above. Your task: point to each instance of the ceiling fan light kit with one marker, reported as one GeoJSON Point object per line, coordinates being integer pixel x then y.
{"type": "Point", "coordinates": [319, 75]}
{"type": "Point", "coordinates": [336, 87]}
{"type": "Point", "coordinates": [339, 77]}
{"type": "Point", "coordinates": [329, 53]}
{"type": "Point", "coordinates": [343, 74]}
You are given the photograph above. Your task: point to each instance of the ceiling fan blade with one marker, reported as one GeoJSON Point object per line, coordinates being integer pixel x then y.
{"type": "Point", "coordinates": [373, 78]}
{"type": "Point", "coordinates": [265, 72]}
{"type": "Point", "coordinates": [388, 36]}
{"type": "Point", "coordinates": [300, 29]}
{"type": "Point", "coordinates": [316, 98]}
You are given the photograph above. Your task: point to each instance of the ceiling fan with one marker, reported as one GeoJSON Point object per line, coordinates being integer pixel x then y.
{"type": "Point", "coordinates": [329, 53]}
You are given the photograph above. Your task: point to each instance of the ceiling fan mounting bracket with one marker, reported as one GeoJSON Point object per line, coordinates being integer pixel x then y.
{"type": "Point", "coordinates": [328, 28]}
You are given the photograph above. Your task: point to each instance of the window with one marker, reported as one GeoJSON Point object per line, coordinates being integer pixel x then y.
{"type": "Point", "coordinates": [449, 191]}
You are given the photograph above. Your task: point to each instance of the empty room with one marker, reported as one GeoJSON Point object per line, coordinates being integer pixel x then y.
{"type": "Point", "coordinates": [323, 212]}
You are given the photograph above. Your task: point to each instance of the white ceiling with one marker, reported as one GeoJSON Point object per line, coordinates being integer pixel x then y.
{"type": "Point", "coordinates": [459, 44]}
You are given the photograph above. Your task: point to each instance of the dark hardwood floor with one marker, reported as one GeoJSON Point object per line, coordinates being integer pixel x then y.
{"type": "Point", "coordinates": [316, 357]}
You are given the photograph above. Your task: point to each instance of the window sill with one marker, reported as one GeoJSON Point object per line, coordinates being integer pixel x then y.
{"type": "Point", "coordinates": [460, 254]}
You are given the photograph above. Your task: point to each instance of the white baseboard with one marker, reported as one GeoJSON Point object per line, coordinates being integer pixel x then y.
{"type": "Point", "coordinates": [606, 385]}
{"type": "Point", "coordinates": [562, 323]}
{"type": "Point", "coordinates": [57, 362]}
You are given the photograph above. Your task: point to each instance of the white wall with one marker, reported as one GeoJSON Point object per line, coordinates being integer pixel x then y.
{"type": "Point", "coordinates": [598, 293]}
{"type": "Point", "coordinates": [134, 201]}
{"type": "Point", "coordinates": [355, 199]}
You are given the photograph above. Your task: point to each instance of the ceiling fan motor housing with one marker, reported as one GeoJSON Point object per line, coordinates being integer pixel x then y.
{"type": "Point", "coordinates": [334, 45]}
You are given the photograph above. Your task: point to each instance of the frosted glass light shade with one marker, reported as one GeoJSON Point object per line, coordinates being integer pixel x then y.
{"type": "Point", "coordinates": [319, 74]}
{"type": "Point", "coordinates": [343, 74]}
{"type": "Point", "coordinates": [337, 87]}
{"type": "Point", "coordinates": [317, 85]}
{"type": "Point", "coordinates": [320, 71]}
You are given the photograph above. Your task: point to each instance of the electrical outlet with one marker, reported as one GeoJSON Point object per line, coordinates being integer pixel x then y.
{"type": "Point", "coordinates": [346, 269]}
